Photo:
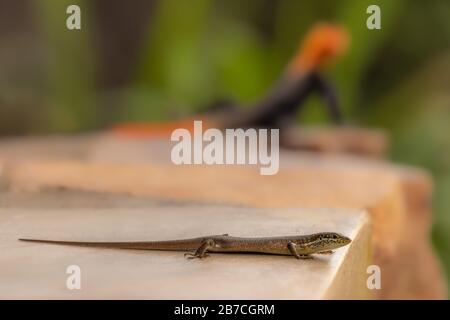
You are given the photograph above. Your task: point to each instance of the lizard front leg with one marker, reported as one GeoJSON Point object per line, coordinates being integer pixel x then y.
{"type": "Point", "coordinates": [201, 252]}
{"type": "Point", "coordinates": [293, 250]}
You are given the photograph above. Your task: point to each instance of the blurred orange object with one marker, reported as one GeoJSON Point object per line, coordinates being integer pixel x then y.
{"type": "Point", "coordinates": [158, 129]}
{"type": "Point", "coordinates": [323, 43]}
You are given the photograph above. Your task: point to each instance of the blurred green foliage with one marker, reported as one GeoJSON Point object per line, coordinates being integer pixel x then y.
{"type": "Point", "coordinates": [397, 78]}
{"type": "Point", "coordinates": [69, 70]}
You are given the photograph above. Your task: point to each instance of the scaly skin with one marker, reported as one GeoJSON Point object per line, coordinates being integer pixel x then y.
{"type": "Point", "coordinates": [300, 246]}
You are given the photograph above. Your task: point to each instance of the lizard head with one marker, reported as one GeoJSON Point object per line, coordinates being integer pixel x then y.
{"type": "Point", "coordinates": [324, 42]}
{"type": "Point", "coordinates": [327, 241]}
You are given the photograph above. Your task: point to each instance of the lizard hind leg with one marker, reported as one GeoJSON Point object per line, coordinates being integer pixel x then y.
{"type": "Point", "coordinates": [201, 252]}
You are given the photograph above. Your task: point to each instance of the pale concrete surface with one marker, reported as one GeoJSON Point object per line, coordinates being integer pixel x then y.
{"type": "Point", "coordinates": [339, 140]}
{"type": "Point", "coordinates": [306, 185]}
{"type": "Point", "coordinates": [38, 271]}
{"type": "Point", "coordinates": [397, 197]}
{"type": "Point", "coordinates": [61, 198]}
{"type": "Point", "coordinates": [396, 200]}
{"type": "Point", "coordinates": [2, 179]}
{"type": "Point", "coordinates": [110, 146]}
{"type": "Point", "coordinates": [329, 141]}
{"type": "Point", "coordinates": [47, 147]}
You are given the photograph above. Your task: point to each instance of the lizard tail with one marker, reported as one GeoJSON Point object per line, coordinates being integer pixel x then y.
{"type": "Point", "coordinates": [177, 245]}
{"type": "Point", "coordinates": [119, 245]}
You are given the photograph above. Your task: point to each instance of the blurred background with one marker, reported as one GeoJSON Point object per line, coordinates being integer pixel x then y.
{"type": "Point", "coordinates": [150, 60]}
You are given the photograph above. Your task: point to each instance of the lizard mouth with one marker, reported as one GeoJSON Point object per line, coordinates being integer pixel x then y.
{"type": "Point", "coordinates": [346, 240]}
